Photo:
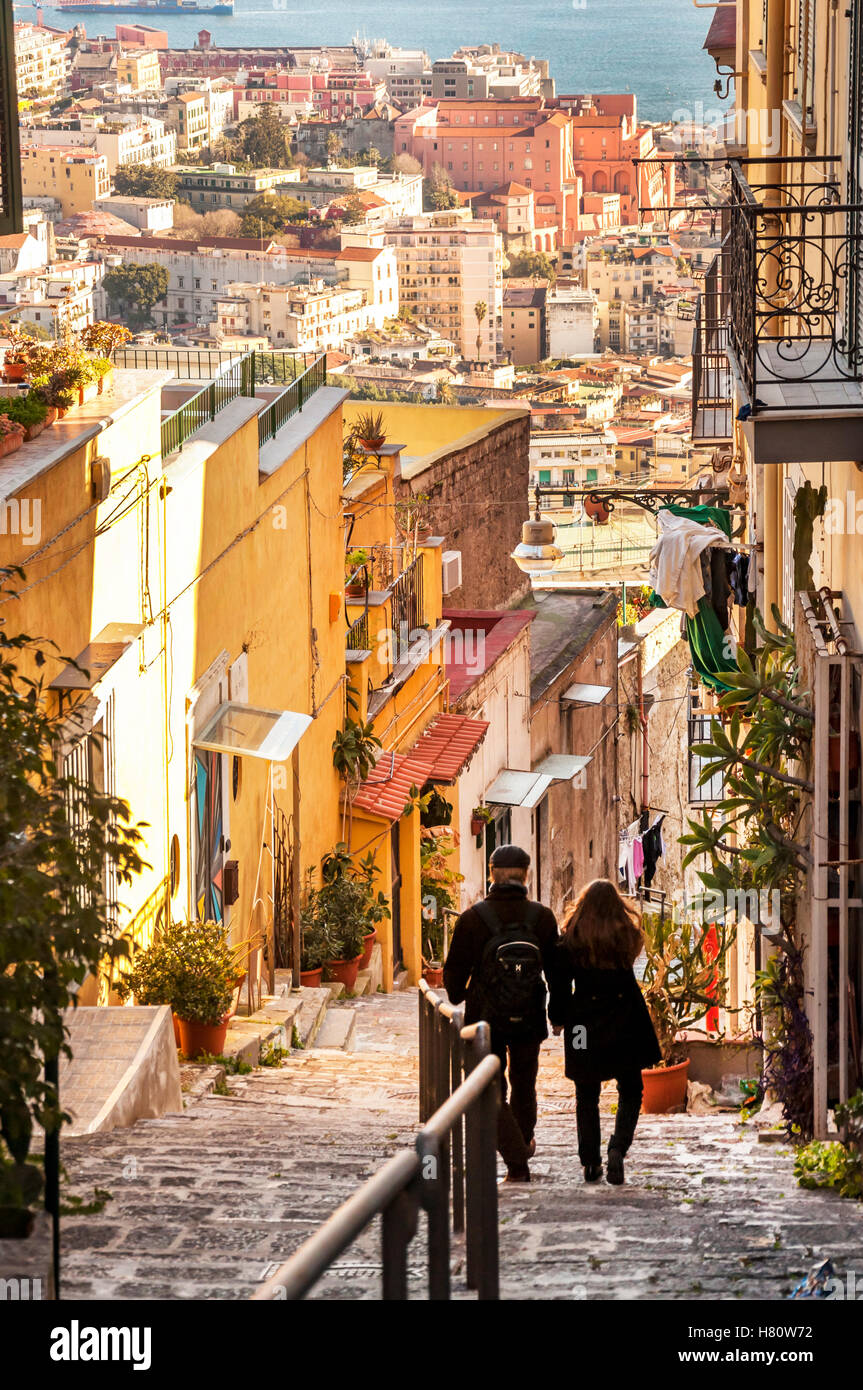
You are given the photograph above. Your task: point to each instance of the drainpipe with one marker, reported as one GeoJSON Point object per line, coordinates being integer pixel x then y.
{"type": "Point", "coordinates": [771, 521]}
{"type": "Point", "coordinates": [645, 750]}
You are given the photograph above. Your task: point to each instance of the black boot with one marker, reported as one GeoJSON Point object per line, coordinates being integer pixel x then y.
{"type": "Point", "coordinates": [592, 1172]}
{"type": "Point", "coordinates": [614, 1167]}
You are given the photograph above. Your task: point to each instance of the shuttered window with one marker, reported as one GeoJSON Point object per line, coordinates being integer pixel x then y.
{"type": "Point", "coordinates": [806, 10]}
{"type": "Point", "coordinates": [11, 217]}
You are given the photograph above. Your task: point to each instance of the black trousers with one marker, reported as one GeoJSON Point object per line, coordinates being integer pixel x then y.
{"type": "Point", "coordinates": [629, 1091]}
{"type": "Point", "coordinates": [516, 1121]}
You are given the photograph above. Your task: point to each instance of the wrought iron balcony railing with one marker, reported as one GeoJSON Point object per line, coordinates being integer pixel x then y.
{"type": "Point", "coordinates": [711, 375]}
{"type": "Point", "coordinates": [793, 272]}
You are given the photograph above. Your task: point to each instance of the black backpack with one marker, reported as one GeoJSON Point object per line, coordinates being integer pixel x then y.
{"type": "Point", "coordinates": [510, 981]}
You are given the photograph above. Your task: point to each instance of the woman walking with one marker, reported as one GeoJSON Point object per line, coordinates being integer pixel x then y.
{"type": "Point", "coordinates": [596, 1001]}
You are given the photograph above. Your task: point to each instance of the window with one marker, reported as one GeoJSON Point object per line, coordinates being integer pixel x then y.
{"type": "Point", "coordinates": [701, 731]}
{"type": "Point", "coordinates": [806, 53]}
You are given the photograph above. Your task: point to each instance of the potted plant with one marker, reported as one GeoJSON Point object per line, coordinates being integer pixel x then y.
{"type": "Point", "coordinates": [103, 338]}
{"type": "Point", "coordinates": [29, 411]}
{"type": "Point", "coordinates": [356, 574]}
{"type": "Point", "coordinates": [16, 360]}
{"type": "Point", "coordinates": [80, 377]}
{"type": "Point", "coordinates": [370, 430]}
{"type": "Point", "coordinates": [480, 817]}
{"type": "Point", "coordinates": [348, 943]}
{"type": "Point", "coordinates": [11, 435]}
{"type": "Point", "coordinates": [316, 947]}
{"type": "Point", "coordinates": [348, 908]}
{"type": "Point", "coordinates": [205, 978]}
{"type": "Point", "coordinates": [412, 517]}
{"type": "Point", "coordinates": [103, 369]}
{"type": "Point", "coordinates": [681, 983]}
{"type": "Point", "coordinates": [438, 890]}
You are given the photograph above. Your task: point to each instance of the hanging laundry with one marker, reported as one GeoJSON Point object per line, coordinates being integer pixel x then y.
{"type": "Point", "coordinates": [637, 858]}
{"type": "Point", "coordinates": [653, 846]}
{"type": "Point", "coordinates": [675, 570]}
{"type": "Point", "coordinates": [738, 577]}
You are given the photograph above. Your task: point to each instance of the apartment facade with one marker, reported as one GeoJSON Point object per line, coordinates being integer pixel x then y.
{"type": "Point", "coordinates": [571, 457]}
{"type": "Point", "coordinates": [41, 62]}
{"type": "Point", "coordinates": [218, 186]}
{"type": "Point", "coordinates": [525, 324]}
{"type": "Point", "coordinates": [139, 70]}
{"type": "Point", "coordinates": [73, 176]}
{"type": "Point", "coordinates": [786, 401]}
{"type": "Point", "coordinates": [573, 318]}
{"type": "Point", "coordinates": [125, 140]}
{"type": "Point", "coordinates": [311, 317]}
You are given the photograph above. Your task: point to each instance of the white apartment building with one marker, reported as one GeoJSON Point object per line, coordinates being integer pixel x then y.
{"type": "Point", "coordinates": [571, 458]}
{"type": "Point", "coordinates": [383, 196]}
{"type": "Point", "coordinates": [55, 297]}
{"type": "Point", "coordinates": [130, 139]}
{"type": "Point", "coordinates": [447, 265]}
{"type": "Point", "coordinates": [199, 274]}
{"type": "Point", "coordinates": [41, 62]}
{"type": "Point", "coordinates": [199, 113]}
{"type": "Point", "coordinates": [630, 272]}
{"type": "Point", "coordinates": [572, 317]}
{"type": "Point", "coordinates": [309, 318]}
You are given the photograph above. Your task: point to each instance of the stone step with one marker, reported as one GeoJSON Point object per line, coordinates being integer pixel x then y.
{"type": "Point", "coordinates": [336, 1029]}
{"type": "Point", "coordinates": [314, 1007]}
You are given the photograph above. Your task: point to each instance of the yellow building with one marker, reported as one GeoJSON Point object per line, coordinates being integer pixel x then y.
{"type": "Point", "coordinates": [73, 175]}
{"type": "Point", "coordinates": [778, 381]}
{"type": "Point", "coordinates": [140, 70]}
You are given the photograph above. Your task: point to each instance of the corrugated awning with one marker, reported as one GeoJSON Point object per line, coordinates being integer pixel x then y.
{"type": "Point", "coordinates": [248, 732]}
{"type": "Point", "coordinates": [515, 788]}
{"type": "Point", "coordinates": [386, 790]}
{"type": "Point", "coordinates": [448, 744]}
{"type": "Point", "coordinates": [586, 694]}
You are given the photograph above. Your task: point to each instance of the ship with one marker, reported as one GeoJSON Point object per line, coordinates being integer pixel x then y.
{"type": "Point", "coordinates": [157, 7]}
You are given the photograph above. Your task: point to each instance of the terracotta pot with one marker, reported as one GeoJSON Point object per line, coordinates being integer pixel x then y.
{"type": "Point", "coordinates": [345, 971]}
{"type": "Point", "coordinates": [10, 443]}
{"type": "Point", "coordinates": [374, 443]}
{"type": "Point", "coordinates": [176, 1023]}
{"type": "Point", "coordinates": [196, 1038]}
{"type": "Point", "coordinates": [51, 415]}
{"type": "Point", "coordinates": [311, 979]}
{"type": "Point", "coordinates": [104, 383]}
{"type": "Point", "coordinates": [664, 1088]}
{"type": "Point", "coordinates": [355, 591]}
{"type": "Point", "coordinates": [433, 976]}
{"type": "Point", "coordinates": [33, 431]}
{"type": "Point", "coordinates": [365, 958]}
{"type": "Point", "coordinates": [15, 371]}
{"type": "Point", "coordinates": [477, 826]}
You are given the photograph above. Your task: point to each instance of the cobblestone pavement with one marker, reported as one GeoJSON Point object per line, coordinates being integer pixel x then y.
{"type": "Point", "coordinates": [205, 1203]}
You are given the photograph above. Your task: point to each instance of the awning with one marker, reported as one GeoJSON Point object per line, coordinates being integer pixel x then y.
{"type": "Point", "coordinates": [587, 694]}
{"type": "Point", "coordinates": [563, 766]}
{"type": "Point", "coordinates": [386, 790]}
{"type": "Point", "coordinates": [448, 744]}
{"type": "Point", "coordinates": [248, 732]}
{"type": "Point", "coordinates": [97, 658]}
{"type": "Point", "coordinates": [514, 788]}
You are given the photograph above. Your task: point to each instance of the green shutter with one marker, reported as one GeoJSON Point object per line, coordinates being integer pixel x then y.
{"type": "Point", "coordinates": [544, 476]}
{"type": "Point", "coordinates": [11, 209]}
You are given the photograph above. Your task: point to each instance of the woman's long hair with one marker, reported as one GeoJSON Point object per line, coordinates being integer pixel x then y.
{"type": "Point", "coordinates": [603, 931]}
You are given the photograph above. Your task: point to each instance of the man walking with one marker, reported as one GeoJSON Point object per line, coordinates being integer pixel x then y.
{"type": "Point", "coordinates": [500, 952]}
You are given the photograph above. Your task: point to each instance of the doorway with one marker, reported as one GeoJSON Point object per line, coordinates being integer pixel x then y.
{"type": "Point", "coordinates": [396, 900]}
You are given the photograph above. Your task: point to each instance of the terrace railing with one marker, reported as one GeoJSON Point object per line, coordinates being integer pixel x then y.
{"type": "Point", "coordinates": [794, 266]}
{"type": "Point", "coordinates": [711, 380]}
{"type": "Point", "coordinates": [290, 401]}
{"type": "Point", "coordinates": [407, 600]}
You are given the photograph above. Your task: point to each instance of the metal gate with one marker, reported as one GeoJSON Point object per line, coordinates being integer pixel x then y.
{"type": "Point", "coordinates": [283, 889]}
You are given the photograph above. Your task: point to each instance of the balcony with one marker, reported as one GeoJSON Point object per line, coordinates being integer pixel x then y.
{"type": "Point", "coordinates": [711, 373]}
{"type": "Point", "coordinates": [791, 294]}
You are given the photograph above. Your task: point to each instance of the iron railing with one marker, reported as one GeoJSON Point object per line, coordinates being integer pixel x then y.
{"type": "Point", "coordinates": [357, 638]}
{"type": "Point", "coordinates": [407, 602]}
{"type": "Point", "coordinates": [187, 364]}
{"type": "Point", "coordinates": [711, 377]}
{"type": "Point", "coordinates": [292, 399]}
{"type": "Point", "coordinates": [238, 379]}
{"type": "Point", "coordinates": [794, 263]}
{"type": "Point", "coordinates": [464, 1123]}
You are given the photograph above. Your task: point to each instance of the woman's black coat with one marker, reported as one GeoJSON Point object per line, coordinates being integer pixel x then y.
{"type": "Point", "coordinates": [606, 1025]}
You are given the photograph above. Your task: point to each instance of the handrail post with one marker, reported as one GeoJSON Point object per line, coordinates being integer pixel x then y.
{"type": "Point", "coordinates": [398, 1228]}
{"type": "Point", "coordinates": [475, 1048]}
{"type": "Point", "coordinates": [456, 1062]}
{"type": "Point", "coordinates": [434, 1201]}
{"type": "Point", "coordinates": [488, 1286]}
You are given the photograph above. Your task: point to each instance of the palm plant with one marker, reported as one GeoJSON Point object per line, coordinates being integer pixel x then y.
{"type": "Point", "coordinates": [481, 311]}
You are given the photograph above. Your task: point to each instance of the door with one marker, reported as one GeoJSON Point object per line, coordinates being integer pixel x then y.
{"type": "Point", "coordinates": [540, 827]}
{"type": "Point", "coordinates": [497, 832]}
{"type": "Point", "coordinates": [209, 836]}
{"type": "Point", "coordinates": [396, 903]}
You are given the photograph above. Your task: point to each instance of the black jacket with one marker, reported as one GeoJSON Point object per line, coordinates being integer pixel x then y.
{"type": "Point", "coordinates": [606, 1025]}
{"type": "Point", "coordinates": [469, 939]}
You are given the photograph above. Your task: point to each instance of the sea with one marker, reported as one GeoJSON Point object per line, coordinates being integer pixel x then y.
{"type": "Point", "coordinates": [651, 47]}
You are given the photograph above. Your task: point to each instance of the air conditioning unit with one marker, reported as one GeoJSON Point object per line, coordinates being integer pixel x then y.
{"type": "Point", "coordinates": [450, 571]}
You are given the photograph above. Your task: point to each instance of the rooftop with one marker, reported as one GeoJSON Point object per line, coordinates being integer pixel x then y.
{"type": "Point", "coordinates": [563, 624]}
{"type": "Point", "coordinates": [500, 628]}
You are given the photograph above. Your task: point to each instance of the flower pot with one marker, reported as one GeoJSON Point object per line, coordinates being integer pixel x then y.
{"type": "Point", "coordinates": [365, 958]}
{"type": "Point", "coordinates": [345, 971]}
{"type": "Point", "coordinates": [196, 1038]}
{"type": "Point", "coordinates": [373, 443]}
{"type": "Point", "coordinates": [33, 431]}
{"type": "Point", "coordinates": [51, 415]}
{"type": "Point", "coordinates": [311, 979]}
{"type": "Point", "coordinates": [9, 443]}
{"type": "Point", "coordinates": [477, 825]}
{"type": "Point", "coordinates": [433, 976]}
{"type": "Point", "coordinates": [105, 383]}
{"type": "Point", "coordinates": [664, 1088]}
{"type": "Point", "coordinates": [15, 371]}
{"type": "Point", "coordinates": [355, 591]}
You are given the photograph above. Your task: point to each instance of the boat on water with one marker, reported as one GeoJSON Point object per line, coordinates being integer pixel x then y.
{"type": "Point", "coordinates": [223, 7]}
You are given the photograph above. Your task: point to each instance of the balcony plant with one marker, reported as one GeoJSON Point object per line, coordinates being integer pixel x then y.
{"type": "Point", "coordinates": [356, 573]}
{"type": "Point", "coordinates": [480, 817]}
{"type": "Point", "coordinates": [370, 430]}
{"type": "Point", "coordinates": [103, 370]}
{"type": "Point", "coordinates": [439, 895]}
{"type": "Point", "coordinates": [342, 914]}
{"type": "Point", "coordinates": [104, 338]}
{"type": "Point", "coordinates": [316, 945]}
{"type": "Point", "coordinates": [682, 982]}
{"type": "Point", "coordinates": [11, 435]}
{"type": "Point", "coordinates": [29, 411]}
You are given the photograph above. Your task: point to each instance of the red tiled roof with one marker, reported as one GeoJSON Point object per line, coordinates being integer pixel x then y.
{"type": "Point", "coordinates": [449, 743]}
{"type": "Point", "coordinates": [386, 791]}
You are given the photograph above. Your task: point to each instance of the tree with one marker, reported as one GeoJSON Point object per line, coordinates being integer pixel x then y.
{"type": "Point", "coordinates": [270, 213]}
{"type": "Point", "coordinates": [136, 288]}
{"type": "Point", "coordinates": [146, 181]}
{"type": "Point", "coordinates": [480, 309]}
{"type": "Point", "coordinates": [438, 191]}
{"type": "Point", "coordinates": [263, 139]}
{"type": "Point", "coordinates": [406, 164]}
{"type": "Point", "coordinates": [352, 210]}
{"type": "Point", "coordinates": [531, 265]}
{"type": "Point", "coordinates": [334, 147]}
{"type": "Point", "coordinates": [57, 834]}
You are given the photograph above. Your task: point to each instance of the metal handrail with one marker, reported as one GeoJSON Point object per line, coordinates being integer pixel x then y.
{"type": "Point", "coordinates": [291, 400]}
{"type": "Point", "coordinates": [420, 1179]}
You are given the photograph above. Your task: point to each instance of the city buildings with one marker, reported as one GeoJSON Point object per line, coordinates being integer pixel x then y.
{"type": "Point", "coordinates": [308, 317]}
{"type": "Point", "coordinates": [123, 140]}
{"type": "Point", "coordinates": [73, 176]}
{"type": "Point", "coordinates": [211, 187]}
{"type": "Point", "coordinates": [41, 63]}
{"type": "Point", "coordinates": [572, 316]}
{"type": "Point", "coordinates": [525, 321]}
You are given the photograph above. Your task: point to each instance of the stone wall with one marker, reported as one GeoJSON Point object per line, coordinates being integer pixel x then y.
{"type": "Point", "coordinates": [479, 499]}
